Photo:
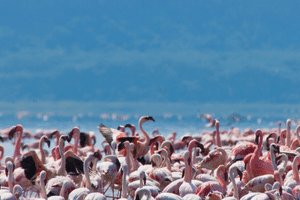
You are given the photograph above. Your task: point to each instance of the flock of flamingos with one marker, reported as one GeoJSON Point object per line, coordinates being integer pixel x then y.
{"type": "Point", "coordinates": [132, 164]}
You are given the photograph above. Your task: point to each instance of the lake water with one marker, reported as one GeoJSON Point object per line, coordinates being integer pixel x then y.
{"type": "Point", "coordinates": [170, 117]}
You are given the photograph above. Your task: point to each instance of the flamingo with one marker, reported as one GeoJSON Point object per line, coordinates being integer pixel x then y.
{"type": "Point", "coordinates": [187, 187]}
{"type": "Point", "coordinates": [214, 159]}
{"type": "Point", "coordinates": [257, 166]}
{"type": "Point", "coordinates": [294, 180]}
{"type": "Point", "coordinates": [219, 185]}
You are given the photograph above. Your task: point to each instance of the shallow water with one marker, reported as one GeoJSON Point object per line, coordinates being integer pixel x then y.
{"type": "Point", "coordinates": [170, 117]}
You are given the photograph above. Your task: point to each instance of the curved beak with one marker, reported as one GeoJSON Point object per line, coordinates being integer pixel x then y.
{"type": "Point", "coordinates": [12, 132]}
{"type": "Point", "coordinates": [97, 155]}
{"type": "Point", "coordinates": [71, 133]}
{"type": "Point", "coordinates": [53, 133]}
{"type": "Point", "coordinates": [150, 118]}
{"type": "Point", "coordinates": [47, 142]}
{"type": "Point", "coordinates": [256, 139]}
{"type": "Point", "coordinates": [66, 138]}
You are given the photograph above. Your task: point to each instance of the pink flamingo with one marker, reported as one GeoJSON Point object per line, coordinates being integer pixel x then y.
{"type": "Point", "coordinates": [296, 142]}
{"type": "Point", "coordinates": [294, 180]}
{"type": "Point", "coordinates": [75, 133]}
{"type": "Point", "coordinates": [214, 159]}
{"type": "Point", "coordinates": [218, 138]}
{"type": "Point", "coordinates": [142, 146]}
{"type": "Point", "coordinates": [187, 187]}
{"type": "Point", "coordinates": [220, 186]}
{"type": "Point", "coordinates": [257, 166]}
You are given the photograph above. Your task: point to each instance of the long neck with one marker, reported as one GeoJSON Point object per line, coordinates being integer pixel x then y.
{"type": "Point", "coordinates": [86, 171]}
{"type": "Point", "coordinates": [10, 180]}
{"type": "Point", "coordinates": [76, 142]}
{"type": "Point", "coordinates": [57, 139]}
{"type": "Point", "coordinates": [288, 133]}
{"type": "Point", "coordinates": [63, 192]}
{"type": "Point", "coordinates": [218, 138]}
{"type": "Point", "coordinates": [295, 169]}
{"type": "Point", "coordinates": [167, 162]}
{"type": "Point", "coordinates": [258, 149]}
{"type": "Point", "coordinates": [124, 185]}
{"type": "Point", "coordinates": [127, 157]}
{"type": "Point", "coordinates": [17, 151]}
{"type": "Point", "coordinates": [235, 187]}
{"type": "Point", "coordinates": [62, 167]}
{"type": "Point", "coordinates": [42, 150]}
{"type": "Point", "coordinates": [221, 180]}
{"type": "Point", "coordinates": [146, 136]}
{"type": "Point", "coordinates": [2, 152]}
{"type": "Point", "coordinates": [273, 159]}
{"type": "Point", "coordinates": [187, 171]}
{"type": "Point", "coordinates": [43, 189]}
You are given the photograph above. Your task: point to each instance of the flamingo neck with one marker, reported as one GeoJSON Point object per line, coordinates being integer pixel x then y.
{"type": "Point", "coordinates": [57, 139]}
{"type": "Point", "coordinates": [167, 162]}
{"type": "Point", "coordinates": [288, 134]}
{"type": "Point", "coordinates": [124, 184]}
{"type": "Point", "coordinates": [258, 149]}
{"type": "Point", "coordinates": [76, 142]}
{"type": "Point", "coordinates": [43, 189]}
{"type": "Point", "coordinates": [127, 157]}
{"type": "Point", "coordinates": [17, 151]}
{"type": "Point", "coordinates": [273, 159]}
{"type": "Point", "coordinates": [62, 192]}
{"type": "Point", "coordinates": [146, 136]}
{"type": "Point", "coordinates": [218, 138]}
{"type": "Point", "coordinates": [62, 168]}
{"type": "Point", "coordinates": [282, 137]}
{"type": "Point", "coordinates": [2, 152]}
{"type": "Point", "coordinates": [235, 187]}
{"type": "Point", "coordinates": [86, 171]}
{"type": "Point", "coordinates": [221, 180]}
{"type": "Point", "coordinates": [295, 169]}
{"type": "Point", "coordinates": [10, 180]}
{"type": "Point", "coordinates": [187, 171]}
{"type": "Point", "coordinates": [42, 150]}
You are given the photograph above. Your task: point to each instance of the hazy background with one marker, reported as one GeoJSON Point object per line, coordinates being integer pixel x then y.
{"type": "Point", "coordinates": [149, 56]}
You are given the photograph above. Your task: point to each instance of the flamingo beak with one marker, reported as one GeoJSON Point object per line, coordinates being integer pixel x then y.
{"type": "Point", "coordinates": [53, 133]}
{"type": "Point", "coordinates": [66, 138]}
{"type": "Point", "coordinates": [47, 142]}
{"type": "Point", "coordinates": [240, 174]}
{"type": "Point", "coordinates": [98, 155]}
{"type": "Point", "coordinates": [201, 146]}
{"type": "Point", "coordinates": [12, 132]}
{"type": "Point", "coordinates": [226, 176]}
{"type": "Point", "coordinates": [256, 139]}
{"type": "Point", "coordinates": [150, 118]}
{"type": "Point", "coordinates": [94, 140]}
{"type": "Point", "coordinates": [71, 133]}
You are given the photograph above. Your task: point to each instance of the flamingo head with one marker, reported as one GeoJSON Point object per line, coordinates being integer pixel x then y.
{"type": "Point", "coordinates": [131, 127]}
{"type": "Point", "coordinates": [289, 123]}
{"type": "Point", "coordinates": [65, 138]}
{"type": "Point", "coordinates": [271, 135]}
{"type": "Point", "coordinates": [258, 134]}
{"type": "Point", "coordinates": [16, 129]}
{"type": "Point", "coordinates": [47, 141]}
{"type": "Point", "coordinates": [146, 118]}
{"type": "Point", "coordinates": [98, 155]}
{"type": "Point", "coordinates": [75, 132]}
{"type": "Point", "coordinates": [55, 133]}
